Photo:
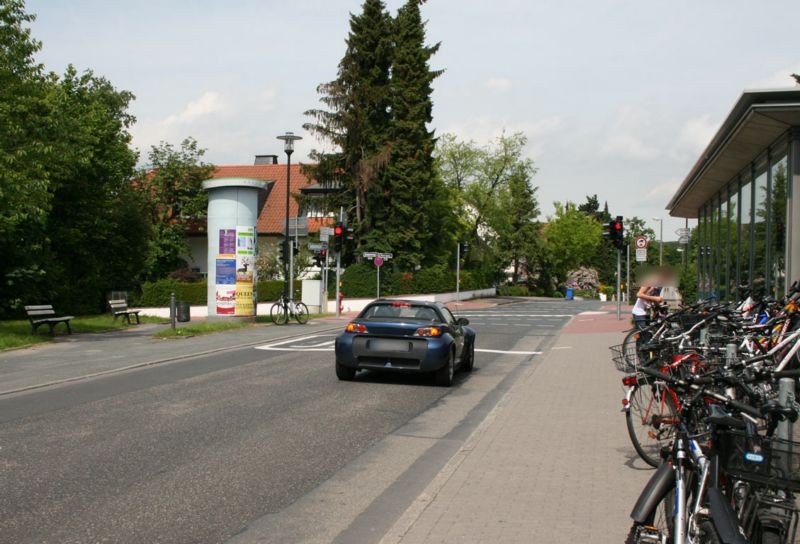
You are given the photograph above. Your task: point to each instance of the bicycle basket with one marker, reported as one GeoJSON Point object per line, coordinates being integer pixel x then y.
{"type": "Point", "coordinates": [773, 462]}
{"type": "Point", "coordinates": [625, 357]}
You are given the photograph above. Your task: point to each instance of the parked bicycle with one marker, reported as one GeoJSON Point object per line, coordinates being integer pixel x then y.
{"type": "Point", "coordinates": [710, 401]}
{"type": "Point", "coordinates": [286, 309]}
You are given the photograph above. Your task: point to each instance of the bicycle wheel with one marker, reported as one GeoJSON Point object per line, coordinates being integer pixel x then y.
{"type": "Point", "coordinates": [301, 313]}
{"type": "Point", "coordinates": [629, 348]}
{"type": "Point", "coordinates": [277, 314]}
{"type": "Point", "coordinates": [651, 418]}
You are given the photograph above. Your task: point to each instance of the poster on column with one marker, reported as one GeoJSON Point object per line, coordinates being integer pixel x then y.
{"type": "Point", "coordinates": [245, 271]}
{"type": "Point", "coordinates": [227, 243]}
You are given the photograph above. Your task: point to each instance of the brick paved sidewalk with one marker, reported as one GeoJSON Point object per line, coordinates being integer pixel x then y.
{"type": "Point", "coordinates": [552, 463]}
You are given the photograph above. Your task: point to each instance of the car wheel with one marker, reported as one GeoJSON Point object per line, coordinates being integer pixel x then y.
{"type": "Point", "coordinates": [345, 373]}
{"type": "Point", "coordinates": [445, 375]}
{"type": "Point", "coordinates": [468, 358]}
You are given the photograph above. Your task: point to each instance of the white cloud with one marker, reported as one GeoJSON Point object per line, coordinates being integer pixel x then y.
{"type": "Point", "coordinates": [626, 139]}
{"type": "Point", "coordinates": [777, 80]}
{"type": "Point", "coordinates": [661, 192]}
{"type": "Point", "coordinates": [498, 84]}
{"type": "Point", "coordinates": [484, 128]}
{"type": "Point", "coordinates": [697, 132]}
{"type": "Point", "coordinates": [210, 102]}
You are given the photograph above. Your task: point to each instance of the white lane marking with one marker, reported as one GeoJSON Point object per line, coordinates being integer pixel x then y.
{"type": "Point", "coordinates": [281, 346]}
{"type": "Point", "coordinates": [505, 352]}
{"type": "Point", "coordinates": [328, 343]}
{"type": "Point", "coordinates": [491, 316]}
{"type": "Point", "coordinates": [563, 347]}
{"type": "Point", "coordinates": [593, 313]}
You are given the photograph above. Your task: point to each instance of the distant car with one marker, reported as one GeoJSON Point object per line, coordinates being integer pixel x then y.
{"type": "Point", "coordinates": [406, 336]}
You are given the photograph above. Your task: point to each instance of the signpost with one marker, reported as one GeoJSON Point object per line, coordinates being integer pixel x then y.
{"type": "Point", "coordinates": [378, 259]}
{"type": "Point", "coordinates": [641, 243]}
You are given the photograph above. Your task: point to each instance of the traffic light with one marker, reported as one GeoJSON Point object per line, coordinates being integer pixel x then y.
{"type": "Point", "coordinates": [615, 232]}
{"type": "Point", "coordinates": [295, 247]}
{"type": "Point", "coordinates": [338, 237]}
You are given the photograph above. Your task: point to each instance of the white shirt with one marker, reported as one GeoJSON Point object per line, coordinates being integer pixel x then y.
{"type": "Point", "coordinates": [642, 306]}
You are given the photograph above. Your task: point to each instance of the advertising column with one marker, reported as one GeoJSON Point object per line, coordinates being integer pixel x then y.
{"type": "Point", "coordinates": [234, 205]}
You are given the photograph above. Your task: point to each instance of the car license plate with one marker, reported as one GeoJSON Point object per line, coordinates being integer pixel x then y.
{"type": "Point", "coordinates": [381, 344]}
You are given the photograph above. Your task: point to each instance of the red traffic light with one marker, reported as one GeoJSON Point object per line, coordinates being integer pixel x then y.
{"type": "Point", "coordinates": [617, 225]}
{"type": "Point", "coordinates": [338, 230]}
{"type": "Point", "coordinates": [323, 252]}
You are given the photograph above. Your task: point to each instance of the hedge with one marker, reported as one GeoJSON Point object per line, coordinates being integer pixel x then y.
{"type": "Point", "coordinates": [358, 281]}
{"type": "Point", "coordinates": [513, 291]}
{"type": "Point", "coordinates": [157, 293]}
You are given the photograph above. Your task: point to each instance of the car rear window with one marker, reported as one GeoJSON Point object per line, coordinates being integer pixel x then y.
{"type": "Point", "coordinates": [400, 310]}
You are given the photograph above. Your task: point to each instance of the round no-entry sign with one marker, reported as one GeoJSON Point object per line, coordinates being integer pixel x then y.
{"type": "Point", "coordinates": [641, 242]}
{"type": "Point", "coordinates": [378, 261]}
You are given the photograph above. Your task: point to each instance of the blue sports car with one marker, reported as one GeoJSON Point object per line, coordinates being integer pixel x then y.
{"type": "Point", "coordinates": [406, 336]}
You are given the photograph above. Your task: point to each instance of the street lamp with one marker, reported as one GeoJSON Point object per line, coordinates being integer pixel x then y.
{"type": "Point", "coordinates": [288, 147]}
{"type": "Point", "coordinates": [660, 240]}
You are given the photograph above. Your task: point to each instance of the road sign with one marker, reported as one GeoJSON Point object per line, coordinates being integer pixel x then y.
{"type": "Point", "coordinates": [641, 254]}
{"type": "Point", "coordinates": [374, 254]}
{"type": "Point", "coordinates": [682, 232]}
{"type": "Point", "coordinates": [326, 231]}
{"type": "Point", "coordinates": [683, 240]}
{"type": "Point", "coordinates": [641, 243]}
{"type": "Point", "coordinates": [378, 261]}
{"type": "Point", "coordinates": [315, 247]}
{"type": "Point", "coordinates": [324, 237]}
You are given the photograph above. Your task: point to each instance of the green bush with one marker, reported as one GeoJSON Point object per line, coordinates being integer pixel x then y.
{"type": "Point", "coordinates": [157, 293]}
{"type": "Point", "coordinates": [434, 279]}
{"type": "Point", "coordinates": [514, 291]}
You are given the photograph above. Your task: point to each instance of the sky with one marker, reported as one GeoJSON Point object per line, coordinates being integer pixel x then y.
{"type": "Point", "coordinates": [617, 97]}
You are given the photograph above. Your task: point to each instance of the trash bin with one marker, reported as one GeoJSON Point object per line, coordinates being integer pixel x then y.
{"type": "Point", "coordinates": [569, 293]}
{"type": "Point", "coordinates": [183, 311]}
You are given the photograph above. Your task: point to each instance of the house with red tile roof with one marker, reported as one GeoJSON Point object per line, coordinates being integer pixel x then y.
{"type": "Point", "coordinates": [271, 219]}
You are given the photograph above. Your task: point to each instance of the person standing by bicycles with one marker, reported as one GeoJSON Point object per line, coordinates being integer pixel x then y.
{"type": "Point", "coordinates": [649, 293]}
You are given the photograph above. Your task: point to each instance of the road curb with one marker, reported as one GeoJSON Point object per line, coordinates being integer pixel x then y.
{"type": "Point", "coordinates": [153, 363]}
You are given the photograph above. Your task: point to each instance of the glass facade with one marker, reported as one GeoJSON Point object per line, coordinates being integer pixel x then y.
{"type": "Point", "coordinates": [742, 230]}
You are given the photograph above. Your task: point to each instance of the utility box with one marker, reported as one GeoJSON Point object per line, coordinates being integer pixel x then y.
{"type": "Point", "coordinates": [311, 295]}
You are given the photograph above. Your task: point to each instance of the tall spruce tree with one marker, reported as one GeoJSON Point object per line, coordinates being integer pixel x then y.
{"type": "Point", "coordinates": [358, 115]}
{"type": "Point", "coordinates": [406, 212]}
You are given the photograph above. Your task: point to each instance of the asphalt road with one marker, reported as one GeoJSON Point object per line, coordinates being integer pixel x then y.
{"type": "Point", "coordinates": [200, 450]}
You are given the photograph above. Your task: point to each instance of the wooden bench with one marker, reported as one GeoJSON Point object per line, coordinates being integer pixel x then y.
{"type": "Point", "coordinates": [120, 307]}
{"type": "Point", "coordinates": [44, 314]}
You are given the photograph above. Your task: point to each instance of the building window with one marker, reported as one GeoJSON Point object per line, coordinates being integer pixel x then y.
{"type": "Point", "coordinates": [760, 234]}
{"type": "Point", "coordinates": [729, 228]}
{"type": "Point", "coordinates": [777, 223]}
{"type": "Point", "coordinates": [701, 258]}
{"type": "Point", "coordinates": [745, 222]}
{"type": "Point", "coordinates": [722, 243]}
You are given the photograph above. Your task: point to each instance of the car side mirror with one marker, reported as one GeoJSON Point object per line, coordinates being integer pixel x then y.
{"type": "Point", "coordinates": [462, 321]}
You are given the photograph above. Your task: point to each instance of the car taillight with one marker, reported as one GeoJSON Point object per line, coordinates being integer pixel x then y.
{"type": "Point", "coordinates": [428, 331]}
{"type": "Point", "coordinates": [630, 381]}
{"type": "Point", "coordinates": [355, 327]}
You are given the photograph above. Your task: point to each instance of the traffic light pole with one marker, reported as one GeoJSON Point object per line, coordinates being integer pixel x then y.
{"type": "Point", "coordinates": [619, 277]}
{"type": "Point", "coordinates": [628, 273]}
{"type": "Point", "coordinates": [458, 271]}
{"type": "Point", "coordinates": [338, 266]}
{"type": "Point", "coordinates": [291, 263]}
